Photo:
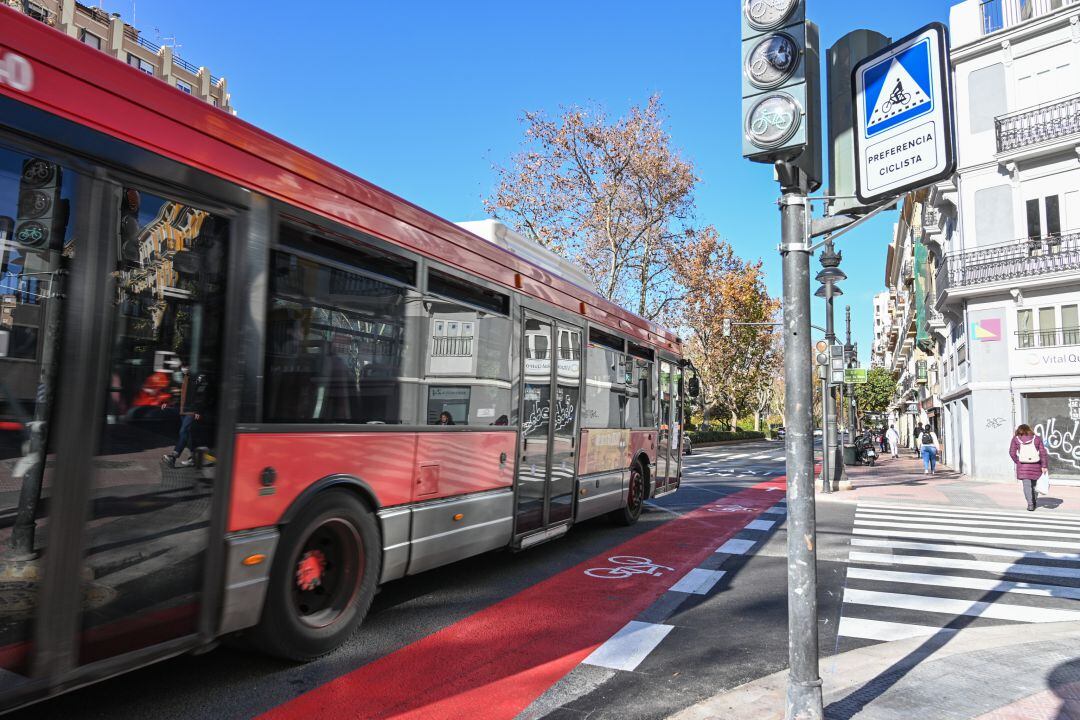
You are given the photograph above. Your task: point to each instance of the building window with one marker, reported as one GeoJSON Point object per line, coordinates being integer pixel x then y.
{"type": "Point", "coordinates": [91, 39]}
{"type": "Point", "coordinates": [1070, 325]}
{"type": "Point", "coordinates": [1025, 333]}
{"type": "Point", "coordinates": [144, 65]}
{"type": "Point", "coordinates": [37, 12]}
{"type": "Point", "coordinates": [1047, 327]}
{"type": "Point", "coordinates": [336, 344]}
{"type": "Point", "coordinates": [183, 86]}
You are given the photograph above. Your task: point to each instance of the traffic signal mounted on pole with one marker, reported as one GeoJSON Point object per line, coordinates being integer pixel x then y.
{"type": "Point", "coordinates": [42, 214]}
{"type": "Point", "coordinates": [781, 86]}
{"type": "Point", "coordinates": [725, 327]}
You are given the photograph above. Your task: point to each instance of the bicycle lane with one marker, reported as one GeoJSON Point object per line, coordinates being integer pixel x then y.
{"type": "Point", "coordinates": [494, 663]}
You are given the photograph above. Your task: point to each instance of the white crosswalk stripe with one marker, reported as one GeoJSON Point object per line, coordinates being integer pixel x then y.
{"type": "Point", "coordinates": [915, 571]}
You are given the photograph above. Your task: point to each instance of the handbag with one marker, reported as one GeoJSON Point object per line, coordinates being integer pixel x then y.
{"type": "Point", "coordinates": [1042, 485]}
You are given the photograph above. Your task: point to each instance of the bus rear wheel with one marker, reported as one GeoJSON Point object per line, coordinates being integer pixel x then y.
{"type": "Point", "coordinates": [629, 513]}
{"type": "Point", "coordinates": [323, 579]}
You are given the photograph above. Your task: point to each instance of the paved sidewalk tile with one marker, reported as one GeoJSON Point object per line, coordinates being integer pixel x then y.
{"type": "Point", "coordinates": [901, 480]}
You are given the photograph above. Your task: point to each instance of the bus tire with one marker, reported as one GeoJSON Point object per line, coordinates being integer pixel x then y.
{"type": "Point", "coordinates": [629, 513]}
{"type": "Point", "coordinates": [323, 579]}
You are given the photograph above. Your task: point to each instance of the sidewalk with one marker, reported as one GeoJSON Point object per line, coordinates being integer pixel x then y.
{"type": "Point", "coordinates": [1024, 671]}
{"type": "Point", "coordinates": [901, 480]}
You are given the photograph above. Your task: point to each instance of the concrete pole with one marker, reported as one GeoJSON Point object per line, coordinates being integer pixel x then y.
{"type": "Point", "coordinates": [804, 682]}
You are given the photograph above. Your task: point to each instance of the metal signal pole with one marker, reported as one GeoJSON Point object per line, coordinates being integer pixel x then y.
{"type": "Point", "coordinates": [804, 682]}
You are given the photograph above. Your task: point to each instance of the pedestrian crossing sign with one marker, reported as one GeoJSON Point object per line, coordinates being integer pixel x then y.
{"type": "Point", "coordinates": [903, 125]}
{"type": "Point", "coordinates": [901, 86]}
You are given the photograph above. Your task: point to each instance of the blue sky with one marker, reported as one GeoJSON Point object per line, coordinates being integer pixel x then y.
{"type": "Point", "coordinates": [423, 98]}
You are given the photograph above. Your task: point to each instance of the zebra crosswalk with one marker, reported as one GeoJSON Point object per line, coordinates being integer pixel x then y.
{"type": "Point", "coordinates": [917, 571]}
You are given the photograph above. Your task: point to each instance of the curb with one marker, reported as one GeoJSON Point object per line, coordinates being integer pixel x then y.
{"type": "Point", "coordinates": [764, 698]}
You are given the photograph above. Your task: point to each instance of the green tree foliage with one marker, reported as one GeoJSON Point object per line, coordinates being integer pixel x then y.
{"type": "Point", "coordinates": [877, 393]}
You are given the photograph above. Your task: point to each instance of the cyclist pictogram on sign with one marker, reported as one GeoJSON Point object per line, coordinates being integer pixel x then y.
{"type": "Point", "coordinates": [900, 87]}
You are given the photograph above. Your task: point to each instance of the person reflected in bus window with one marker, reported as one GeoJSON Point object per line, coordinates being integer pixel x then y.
{"type": "Point", "coordinates": [445, 418]}
{"type": "Point", "coordinates": [192, 395]}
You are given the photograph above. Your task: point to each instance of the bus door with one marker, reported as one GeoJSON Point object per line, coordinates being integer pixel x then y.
{"type": "Point", "coordinates": [551, 389]}
{"type": "Point", "coordinates": [670, 436]}
{"type": "Point", "coordinates": [152, 474]}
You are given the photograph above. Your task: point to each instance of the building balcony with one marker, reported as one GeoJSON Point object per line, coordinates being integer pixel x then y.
{"type": "Point", "coordinates": [1041, 126]}
{"type": "Point", "coordinates": [1048, 260]}
{"type": "Point", "coordinates": [995, 15]}
{"type": "Point", "coordinates": [1061, 337]}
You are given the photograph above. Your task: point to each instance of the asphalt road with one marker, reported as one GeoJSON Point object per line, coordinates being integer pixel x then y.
{"type": "Point", "coordinates": [710, 638]}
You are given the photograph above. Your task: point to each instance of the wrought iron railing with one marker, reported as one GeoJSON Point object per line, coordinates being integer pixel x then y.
{"type": "Point", "coordinates": [1000, 14]}
{"type": "Point", "coordinates": [1048, 338]}
{"type": "Point", "coordinates": [1018, 259]}
{"type": "Point", "coordinates": [177, 60]}
{"type": "Point", "coordinates": [1049, 121]}
{"type": "Point", "coordinates": [448, 346]}
{"type": "Point", "coordinates": [143, 42]}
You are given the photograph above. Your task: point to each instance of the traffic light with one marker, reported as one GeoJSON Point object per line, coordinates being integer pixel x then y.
{"type": "Point", "coordinates": [781, 86]}
{"type": "Point", "coordinates": [42, 214]}
{"type": "Point", "coordinates": [725, 327]}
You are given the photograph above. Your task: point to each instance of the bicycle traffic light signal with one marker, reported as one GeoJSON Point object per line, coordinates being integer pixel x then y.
{"type": "Point", "coordinates": [781, 86]}
{"type": "Point", "coordinates": [42, 214]}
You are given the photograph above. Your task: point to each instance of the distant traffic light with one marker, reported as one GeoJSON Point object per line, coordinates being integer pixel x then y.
{"type": "Point", "coordinates": [42, 215]}
{"type": "Point", "coordinates": [781, 86]}
{"type": "Point", "coordinates": [725, 327]}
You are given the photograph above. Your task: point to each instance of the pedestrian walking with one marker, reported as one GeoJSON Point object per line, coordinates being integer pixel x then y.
{"type": "Point", "coordinates": [1029, 455]}
{"type": "Point", "coordinates": [892, 436]}
{"type": "Point", "coordinates": [929, 448]}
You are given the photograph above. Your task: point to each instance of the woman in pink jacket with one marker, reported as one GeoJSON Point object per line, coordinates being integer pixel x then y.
{"type": "Point", "coordinates": [1029, 454]}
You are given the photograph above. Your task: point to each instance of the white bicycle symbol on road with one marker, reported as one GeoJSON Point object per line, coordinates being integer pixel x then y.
{"type": "Point", "coordinates": [627, 565]}
{"type": "Point", "coordinates": [729, 508]}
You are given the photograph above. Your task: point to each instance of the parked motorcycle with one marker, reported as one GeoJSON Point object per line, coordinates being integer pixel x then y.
{"type": "Point", "coordinates": [865, 454]}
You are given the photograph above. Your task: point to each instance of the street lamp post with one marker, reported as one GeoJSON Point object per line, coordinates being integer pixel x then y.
{"type": "Point", "coordinates": [829, 275]}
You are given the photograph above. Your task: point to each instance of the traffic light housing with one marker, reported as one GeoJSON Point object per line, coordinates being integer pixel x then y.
{"type": "Point", "coordinates": [725, 327]}
{"type": "Point", "coordinates": [42, 214]}
{"type": "Point", "coordinates": [781, 85]}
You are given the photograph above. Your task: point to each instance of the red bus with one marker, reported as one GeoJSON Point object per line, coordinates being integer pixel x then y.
{"type": "Point", "coordinates": [240, 388]}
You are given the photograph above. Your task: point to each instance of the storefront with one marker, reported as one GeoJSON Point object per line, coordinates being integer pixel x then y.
{"type": "Point", "coordinates": [1055, 417]}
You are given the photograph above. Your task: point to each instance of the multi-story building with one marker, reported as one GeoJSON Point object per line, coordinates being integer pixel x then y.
{"type": "Point", "coordinates": [880, 352]}
{"type": "Point", "coordinates": [911, 348]}
{"type": "Point", "coordinates": [1007, 285]}
{"type": "Point", "coordinates": [108, 33]}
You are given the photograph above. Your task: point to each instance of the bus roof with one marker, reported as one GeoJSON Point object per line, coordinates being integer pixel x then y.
{"type": "Point", "coordinates": [80, 83]}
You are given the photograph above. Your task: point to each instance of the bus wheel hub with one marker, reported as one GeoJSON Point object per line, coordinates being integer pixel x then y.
{"type": "Point", "coordinates": [309, 571]}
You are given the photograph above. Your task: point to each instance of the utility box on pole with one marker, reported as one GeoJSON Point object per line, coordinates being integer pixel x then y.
{"type": "Point", "coordinates": [840, 59]}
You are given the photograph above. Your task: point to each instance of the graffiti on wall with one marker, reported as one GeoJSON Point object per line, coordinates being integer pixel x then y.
{"type": "Point", "coordinates": [1056, 419]}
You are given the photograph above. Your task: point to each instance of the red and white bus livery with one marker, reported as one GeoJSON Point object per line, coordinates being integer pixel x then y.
{"type": "Point", "coordinates": [240, 388]}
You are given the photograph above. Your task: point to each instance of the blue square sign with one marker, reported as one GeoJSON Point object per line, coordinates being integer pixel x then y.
{"type": "Point", "coordinates": [901, 87]}
{"type": "Point", "coordinates": [903, 116]}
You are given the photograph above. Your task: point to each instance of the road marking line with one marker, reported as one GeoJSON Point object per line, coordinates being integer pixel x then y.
{"type": "Point", "coordinates": [450, 674]}
{"type": "Point", "coordinates": [962, 511]}
{"type": "Point", "coordinates": [885, 631]}
{"type": "Point", "coordinates": [627, 648]}
{"type": "Point", "coordinates": [759, 525]}
{"type": "Point", "coordinates": [735, 546]}
{"type": "Point", "coordinates": [737, 456]}
{"type": "Point", "coordinates": [698, 581]}
{"type": "Point", "coordinates": [998, 568]}
{"type": "Point", "coordinates": [930, 526]}
{"type": "Point", "coordinates": [962, 549]}
{"type": "Point", "coordinates": [964, 538]}
{"type": "Point", "coordinates": [762, 457]}
{"type": "Point", "coordinates": [965, 583]}
{"type": "Point", "coordinates": [949, 606]}
{"type": "Point", "coordinates": [977, 522]}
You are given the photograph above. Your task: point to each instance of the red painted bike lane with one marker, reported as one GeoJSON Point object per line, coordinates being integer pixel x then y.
{"type": "Point", "coordinates": [494, 663]}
